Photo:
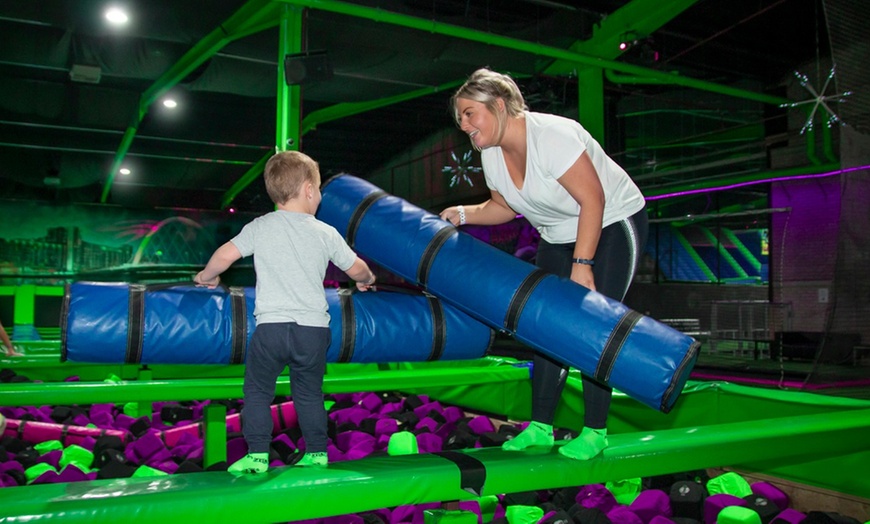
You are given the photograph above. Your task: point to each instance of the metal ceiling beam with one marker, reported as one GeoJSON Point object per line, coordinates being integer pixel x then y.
{"type": "Point", "coordinates": [652, 193]}
{"type": "Point", "coordinates": [328, 114]}
{"type": "Point", "coordinates": [287, 136]}
{"type": "Point", "coordinates": [432, 26]}
{"type": "Point", "coordinates": [639, 19]}
{"type": "Point", "coordinates": [251, 17]}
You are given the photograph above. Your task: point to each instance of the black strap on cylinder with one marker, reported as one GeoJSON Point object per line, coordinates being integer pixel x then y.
{"type": "Point", "coordinates": [357, 215]}
{"type": "Point", "coordinates": [428, 257]}
{"type": "Point", "coordinates": [614, 344]}
{"type": "Point", "coordinates": [348, 326]}
{"type": "Point", "coordinates": [472, 472]}
{"type": "Point", "coordinates": [64, 322]}
{"type": "Point", "coordinates": [688, 360]}
{"type": "Point", "coordinates": [521, 296]}
{"type": "Point", "coordinates": [239, 308]}
{"type": "Point", "coordinates": [439, 328]}
{"type": "Point", "coordinates": [135, 321]}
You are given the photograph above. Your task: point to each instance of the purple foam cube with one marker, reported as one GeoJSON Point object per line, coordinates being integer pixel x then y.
{"type": "Point", "coordinates": [453, 414]}
{"type": "Point", "coordinates": [145, 447]}
{"type": "Point", "coordinates": [650, 503]}
{"type": "Point", "coordinates": [49, 477]}
{"type": "Point", "coordinates": [123, 422]}
{"type": "Point", "coordinates": [6, 481]}
{"type": "Point", "coordinates": [236, 449]}
{"type": "Point", "coordinates": [425, 409]}
{"type": "Point", "coordinates": [480, 425]}
{"type": "Point", "coordinates": [716, 503]}
{"type": "Point", "coordinates": [386, 426]}
{"type": "Point", "coordinates": [354, 415]}
{"type": "Point", "coordinates": [623, 515]}
{"type": "Point", "coordinates": [52, 458]}
{"type": "Point", "coordinates": [428, 423]}
{"type": "Point", "coordinates": [772, 493]}
{"type": "Point", "coordinates": [596, 496]}
{"type": "Point", "coordinates": [72, 474]}
{"type": "Point", "coordinates": [80, 420]}
{"type": "Point", "coordinates": [351, 439]}
{"type": "Point", "coordinates": [371, 402]}
{"type": "Point", "coordinates": [788, 516]}
{"type": "Point", "coordinates": [429, 443]}
{"type": "Point", "coordinates": [334, 454]}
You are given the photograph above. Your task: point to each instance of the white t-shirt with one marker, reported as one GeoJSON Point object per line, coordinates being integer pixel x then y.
{"type": "Point", "coordinates": [554, 144]}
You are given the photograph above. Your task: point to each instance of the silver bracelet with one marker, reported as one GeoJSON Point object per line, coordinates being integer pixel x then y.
{"type": "Point", "coordinates": [461, 215]}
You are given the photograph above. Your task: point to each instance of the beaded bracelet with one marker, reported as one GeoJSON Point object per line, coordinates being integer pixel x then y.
{"type": "Point", "coordinates": [461, 215]}
{"type": "Point", "coordinates": [584, 261]}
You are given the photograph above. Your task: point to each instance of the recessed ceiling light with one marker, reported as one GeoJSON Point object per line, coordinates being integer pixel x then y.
{"type": "Point", "coordinates": [116, 16]}
{"type": "Point", "coordinates": [170, 103]}
{"type": "Point", "coordinates": [124, 171]}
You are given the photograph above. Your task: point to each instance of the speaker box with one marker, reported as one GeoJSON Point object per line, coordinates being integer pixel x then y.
{"type": "Point", "coordinates": [309, 66]}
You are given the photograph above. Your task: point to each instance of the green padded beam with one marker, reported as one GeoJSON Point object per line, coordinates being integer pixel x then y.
{"type": "Point", "coordinates": [288, 493]}
{"type": "Point", "coordinates": [66, 393]}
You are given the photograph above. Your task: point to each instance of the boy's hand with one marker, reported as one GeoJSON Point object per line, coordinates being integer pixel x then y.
{"type": "Point", "coordinates": [201, 282]}
{"type": "Point", "coordinates": [365, 286]}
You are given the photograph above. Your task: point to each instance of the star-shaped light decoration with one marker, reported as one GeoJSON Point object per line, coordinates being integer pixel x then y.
{"type": "Point", "coordinates": [462, 170]}
{"type": "Point", "coordinates": [819, 99]}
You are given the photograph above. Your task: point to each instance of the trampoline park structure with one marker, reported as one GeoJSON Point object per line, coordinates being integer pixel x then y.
{"type": "Point", "coordinates": [670, 424]}
{"type": "Point", "coordinates": [798, 436]}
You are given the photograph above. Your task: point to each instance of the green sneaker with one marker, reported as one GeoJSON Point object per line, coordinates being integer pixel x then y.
{"type": "Point", "coordinates": [250, 463]}
{"type": "Point", "coordinates": [313, 459]}
{"type": "Point", "coordinates": [587, 445]}
{"type": "Point", "coordinates": [535, 434]}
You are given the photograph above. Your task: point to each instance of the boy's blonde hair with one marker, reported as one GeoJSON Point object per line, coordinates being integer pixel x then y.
{"type": "Point", "coordinates": [286, 172]}
{"type": "Point", "coordinates": [487, 86]}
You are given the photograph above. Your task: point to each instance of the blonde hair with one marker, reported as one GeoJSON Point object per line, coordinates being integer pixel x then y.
{"type": "Point", "coordinates": [487, 87]}
{"type": "Point", "coordinates": [286, 172]}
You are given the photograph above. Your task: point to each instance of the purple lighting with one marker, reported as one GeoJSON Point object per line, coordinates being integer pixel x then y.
{"type": "Point", "coordinates": [754, 182]}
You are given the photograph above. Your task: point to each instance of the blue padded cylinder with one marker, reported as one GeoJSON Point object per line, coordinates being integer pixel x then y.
{"type": "Point", "coordinates": [185, 324]}
{"type": "Point", "coordinates": [635, 354]}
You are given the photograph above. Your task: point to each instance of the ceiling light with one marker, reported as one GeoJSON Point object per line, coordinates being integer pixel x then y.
{"type": "Point", "coordinates": [169, 103]}
{"type": "Point", "coordinates": [124, 171]}
{"type": "Point", "coordinates": [628, 40]}
{"type": "Point", "coordinates": [117, 16]}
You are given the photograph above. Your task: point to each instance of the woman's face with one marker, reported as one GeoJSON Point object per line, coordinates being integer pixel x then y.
{"type": "Point", "coordinates": [478, 122]}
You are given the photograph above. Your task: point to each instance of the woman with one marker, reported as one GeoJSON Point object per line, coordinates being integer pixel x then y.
{"type": "Point", "coordinates": [591, 217]}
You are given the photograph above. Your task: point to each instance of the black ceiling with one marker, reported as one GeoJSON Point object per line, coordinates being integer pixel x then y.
{"type": "Point", "coordinates": [60, 137]}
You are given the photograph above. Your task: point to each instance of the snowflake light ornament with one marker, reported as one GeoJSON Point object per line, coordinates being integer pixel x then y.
{"type": "Point", "coordinates": [819, 99]}
{"type": "Point", "coordinates": [462, 170]}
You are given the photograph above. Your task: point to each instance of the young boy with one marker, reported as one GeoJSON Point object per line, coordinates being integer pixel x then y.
{"type": "Point", "coordinates": [291, 252]}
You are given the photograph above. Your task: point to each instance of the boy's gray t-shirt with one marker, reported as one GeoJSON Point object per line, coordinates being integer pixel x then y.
{"type": "Point", "coordinates": [291, 253]}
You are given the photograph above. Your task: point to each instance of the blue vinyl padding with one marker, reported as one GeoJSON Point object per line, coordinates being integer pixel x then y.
{"type": "Point", "coordinates": [635, 354]}
{"type": "Point", "coordinates": [185, 324]}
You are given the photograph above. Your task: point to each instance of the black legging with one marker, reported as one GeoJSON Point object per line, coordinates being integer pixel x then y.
{"type": "Point", "coordinates": [616, 259]}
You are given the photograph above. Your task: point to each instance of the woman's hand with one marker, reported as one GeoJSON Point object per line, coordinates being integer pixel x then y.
{"type": "Point", "coordinates": [454, 214]}
{"type": "Point", "coordinates": [582, 274]}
